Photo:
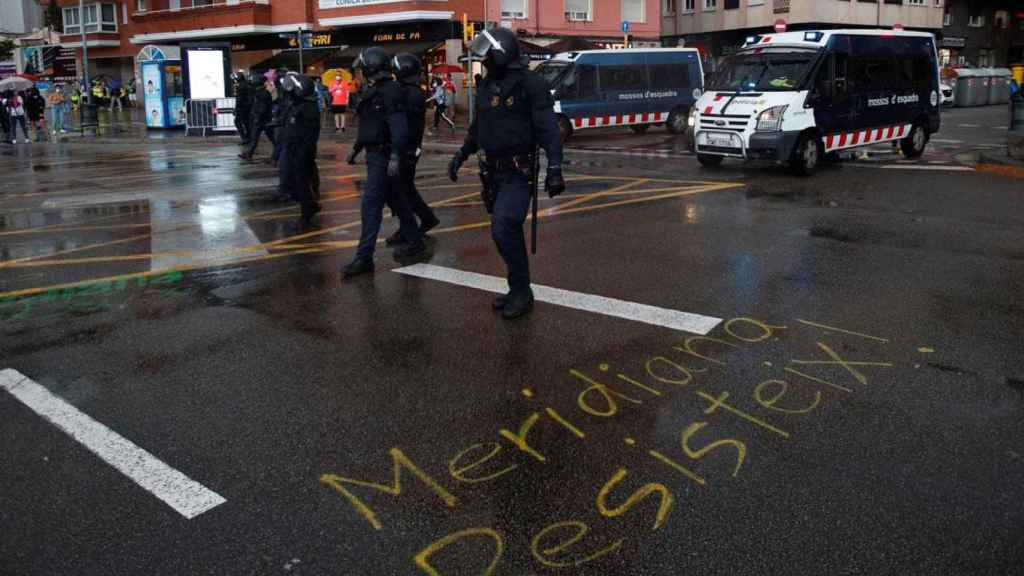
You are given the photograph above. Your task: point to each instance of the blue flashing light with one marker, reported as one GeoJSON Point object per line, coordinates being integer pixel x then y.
{"type": "Point", "coordinates": [813, 36]}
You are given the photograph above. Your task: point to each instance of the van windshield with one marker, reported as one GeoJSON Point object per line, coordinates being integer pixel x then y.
{"type": "Point", "coordinates": [764, 72]}
{"type": "Point", "coordinates": [551, 71]}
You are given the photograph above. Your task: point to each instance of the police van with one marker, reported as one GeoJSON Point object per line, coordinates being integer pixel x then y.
{"type": "Point", "coordinates": [801, 97]}
{"type": "Point", "coordinates": [632, 87]}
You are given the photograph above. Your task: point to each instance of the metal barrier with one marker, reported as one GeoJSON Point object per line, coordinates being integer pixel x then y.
{"type": "Point", "coordinates": [210, 115]}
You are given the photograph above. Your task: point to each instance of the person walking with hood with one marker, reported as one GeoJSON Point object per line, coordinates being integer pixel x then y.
{"type": "Point", "coordinates": [35, 108]}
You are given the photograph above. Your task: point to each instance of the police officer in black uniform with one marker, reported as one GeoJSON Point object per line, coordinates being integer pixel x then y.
{"type": "Point", "coordinates": [407, 71]}
{"type": "Point", "coordinates": [260, 116]}
{"type": "Point", "coordinates": [384, 134]}
{"type": "Point", "coordinates": [243, 106]}
{"type": "Point", "coordinates": [299, 133]}
{"type": "Point", "coordinates": [514, 114]}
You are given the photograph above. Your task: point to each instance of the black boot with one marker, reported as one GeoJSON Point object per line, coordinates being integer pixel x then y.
{"type": "Point", "coordinates": [309, 210]}
{"type": "Point", "coordinates": [357, 267]}
{"type": "Point", "coordinates": [246, 157]}
{"type": "Point", "coordinates": [395, 239]}
{"type": "Point", "coordinates": [518, 304]}
{"type": "Point", "coordinates": [429, 224]}
{"type": "Point", "coordinates": [410, 252]}
{"type": "Point", "coordinates": [499, 302]}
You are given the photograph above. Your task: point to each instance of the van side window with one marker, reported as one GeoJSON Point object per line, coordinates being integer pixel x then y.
{"type": "Point", "coordinates": [914, 72]}
{"type": "Point", "coordinates": [870, 73]}
{"type": "Point", "coordinates": [618, 78]}
{"type": "Point", "coordinates": [669, 76]}
{"type": "Point", "coordinates": [586, 80]}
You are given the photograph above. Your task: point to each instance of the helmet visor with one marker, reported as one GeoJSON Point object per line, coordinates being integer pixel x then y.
{"type": "Point", "coordinates": [483, 44]}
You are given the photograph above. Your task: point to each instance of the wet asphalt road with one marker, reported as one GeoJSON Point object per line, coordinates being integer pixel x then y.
{"type": "Point", "coordinates": [857, 408]}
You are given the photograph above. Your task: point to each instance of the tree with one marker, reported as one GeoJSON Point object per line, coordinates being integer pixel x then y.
{"type": "Point", "coordinates": [6, 49]}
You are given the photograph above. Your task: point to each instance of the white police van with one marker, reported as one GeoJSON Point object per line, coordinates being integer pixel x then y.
{"type": "Point", "coordinates": [635, 87]}
{"type": "Point", "coordinates": [799, 97]}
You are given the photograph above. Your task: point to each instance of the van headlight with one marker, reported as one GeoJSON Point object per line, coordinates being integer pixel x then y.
{"type": "Point", "coordinates": [692, 120]}
{"type": "Point", "coordinates": [771, 119]}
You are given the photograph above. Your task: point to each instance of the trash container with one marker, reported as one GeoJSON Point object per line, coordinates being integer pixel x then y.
{"type": "Point", "coordinates": [90, 116]}
{"type": "Point", "coordinates": [983, 86]}
{"type": "Point", "coordinates": [964, 90]}
{"type": "Point", "coordinates": [999, 90]}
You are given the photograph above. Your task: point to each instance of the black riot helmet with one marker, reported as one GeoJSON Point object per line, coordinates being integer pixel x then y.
{"type": "Point", "coordinates": [238, 77]}
{"type": "Point", "coordinates": [256, 80]}
{"type": "Point", "coordinates": [375, 63]}
{"type": "Point", "coordinates": [498, 48]}
{"type": "Point", "coordinates": [298, 86]}
{"type": "Point", "coordinates": [406, 68]}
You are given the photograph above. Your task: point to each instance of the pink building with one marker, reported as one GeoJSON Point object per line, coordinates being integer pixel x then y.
{"type": "Point", "coordinates": [598, 21]}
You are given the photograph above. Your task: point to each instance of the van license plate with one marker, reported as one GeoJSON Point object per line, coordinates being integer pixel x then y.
{"type": "Point", "coordinates": [720, 140]}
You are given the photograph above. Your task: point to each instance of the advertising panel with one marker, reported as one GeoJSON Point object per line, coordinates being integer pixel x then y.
{"type": "Point", "coordinates": [152, 88]}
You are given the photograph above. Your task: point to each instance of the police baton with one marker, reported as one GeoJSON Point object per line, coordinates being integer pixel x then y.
{"type": "Point", "coordinates": [536, 185]}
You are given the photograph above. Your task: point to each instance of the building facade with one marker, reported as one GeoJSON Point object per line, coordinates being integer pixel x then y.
{"type": "Point", "coordinates": [20, 17]}
{"type": "Point", "coordinates": [982, 33]}
{"type": "Point", "coordinates": [597, 22]}
{"type": "Point", "coordinates": [719, 27]}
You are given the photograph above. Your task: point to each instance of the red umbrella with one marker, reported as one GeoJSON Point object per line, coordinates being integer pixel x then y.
{"type": "Point", "coordinates": [447, 69]}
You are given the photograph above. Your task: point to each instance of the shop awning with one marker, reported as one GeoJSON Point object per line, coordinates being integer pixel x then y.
{"type": "Point", "coordinates": [343, 58]}
{"type": "Point", "coordinates": [289, 59]}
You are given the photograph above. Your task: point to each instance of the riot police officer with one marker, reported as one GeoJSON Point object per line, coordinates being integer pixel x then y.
{"type": "Point", "coordinates": [299, 135]}
{"type": "Point", "coordinates": [514, 114]}
{"type": "Point", "coordinates": [406, 68]}
{"type": "Point", "coordinates": [384, 134]}
{"type": "Point", "coordinates": [243, 106]}
{"type": "Point", "coordinates": [260, 115]}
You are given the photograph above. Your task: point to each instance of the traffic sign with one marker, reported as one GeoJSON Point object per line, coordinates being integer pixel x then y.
{"type": "Point", "coordinates": [625, 26]}
{"type": "Point", "coordinates": [780, 26]}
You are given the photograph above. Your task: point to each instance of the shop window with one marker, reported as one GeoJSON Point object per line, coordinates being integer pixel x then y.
{"type": "Point", "coordinates": [633, 11]}
{"type": "Point", "coordinates": [513, 9]}
{"type": "Point", "coordinates": [578, 10]}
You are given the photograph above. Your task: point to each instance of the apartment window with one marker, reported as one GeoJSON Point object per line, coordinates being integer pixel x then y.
{"type": "Point", "coordinates": [731, 4]}
{"type": "Point", "coordinates": [108, 20]}
{"type": "Point", "coordinates": [1002, 19]}
{"type": "Point", "coordinates": [710, 4]}
{"type": "Point", "coordinates": [577, 10]}
{"type": "Point", "coordinates": [513, 9]}
{"type": "Point", "coordinates": [96, 18]}
{"type": "Point", "coordinates": [977, 21]}
{"type": "Point", "coordinates": [947, 19]}
{"type": "Point", "coordinates": [633, 11]}
{"type": "Point", "coordinates": [917, 2]}
{"type": "Point", "coordinates": [755, 2]}
{"type": "Point", "coordinates": [71, 21]}
{"type": "Point", "coordinates": [140, 5]}
{"type": "Point", "coordinates": [202, 2]}
{"type": "Point", "coordinates": [670, 6]}
{"type": "Point", "coordinates": [688, 5]}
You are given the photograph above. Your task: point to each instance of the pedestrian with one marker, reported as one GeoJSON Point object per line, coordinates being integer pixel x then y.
{"type": "Point", "coordinates": [76, 98]}
{"type": "Point", "coordinates": [261, 113]}
{"type": "Point", "coordinates": [58, 109]}
{"type": "Point", "coordinates": [243, 106]}
{"type": "Point", "coordinates": [300, 176]}
{"type": "Point", "coordinates": [132, 98]}
{"type": "Point", "coordinates": [115, 98]}
{"type": "Point", "coordinates": [514, 115]}
{"type": "Point", "coordinates": [5, 117]}
{"type": "Point", "coordinates": [449, 96]}
{"type": "Point", "coordinates": [322, 96]}
{"type": "Point", "coordinates": [339, 102]}
{"type": "Point", "coordinates": [407, 69]}
{"type": "Point", "coordinates": [280, 112]}
{"type": "Point", "coordinates": [438, 98]}
{"type": "Point", "coordinates": [16, 111]}
{"type": "Point", "coordinates": [35, 109]}
{"type": "Point", "coordinates": [384, 134]}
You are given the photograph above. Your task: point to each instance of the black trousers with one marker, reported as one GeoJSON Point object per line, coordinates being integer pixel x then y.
{"type": "Point", "coordinates": [254, 138]}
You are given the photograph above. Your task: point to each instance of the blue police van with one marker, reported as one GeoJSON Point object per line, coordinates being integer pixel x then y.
{"type": "Point", "coordinates": [633, 87]}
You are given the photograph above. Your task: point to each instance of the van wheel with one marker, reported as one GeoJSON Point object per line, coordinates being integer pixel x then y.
{"type": "Point", "coordinates": [913, 145]}
{"type": "Point", "coordinates": [640, 128]}
{"type": "Point", "coordinates": [708, 160]}
{"type": "Point", "coordinates": [677, 120]}
{"type": "Point", "coordinates": [807, 155]}
{"type": "Point", "coordinates": [564, 128]}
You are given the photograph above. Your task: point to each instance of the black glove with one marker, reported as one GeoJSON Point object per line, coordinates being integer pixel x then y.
{"type": "Point", "coordinates": [351, 158]}
{"type": "Point", "coordinates": [454, 165]}
{"type": "Point", "coordinates": [394, 165]}
{"type": "Point", "coordinates": [554, 183]}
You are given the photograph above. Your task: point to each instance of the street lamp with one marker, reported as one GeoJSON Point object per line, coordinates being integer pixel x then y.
{"type": "Point", "coordinates": [85, 50]}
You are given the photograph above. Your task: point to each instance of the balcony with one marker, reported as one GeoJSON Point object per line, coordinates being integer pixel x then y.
{"type": "Point", "coordinates": [218, 14]}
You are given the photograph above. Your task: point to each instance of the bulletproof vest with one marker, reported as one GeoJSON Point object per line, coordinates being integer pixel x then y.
{"type": "Point", "coordinates": [504, 115]}
{"type": "Point", "coordinates": [382, 99]}
{"type": "Point", "coordinates": [302, 124]}
{"type": "Point", "coordinates": [415, 113]}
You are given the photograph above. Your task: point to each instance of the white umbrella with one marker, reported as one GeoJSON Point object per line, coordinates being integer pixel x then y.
{"type": "Point", "coordinates": [15, 83]}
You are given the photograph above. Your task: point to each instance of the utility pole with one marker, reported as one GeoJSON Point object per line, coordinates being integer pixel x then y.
{"type": "Point", "coordinates": [298, 37]}
{"type": "Point", "coordinates": [85, 51]}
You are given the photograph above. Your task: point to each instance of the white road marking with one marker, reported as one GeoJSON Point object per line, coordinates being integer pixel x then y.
{"type": "Point", "coordinates": [674, 319]}
{"type": "Point", "coordinates": [941, 141]}
{"type": "Point", "coordinates": [969, 125]}
{"type": "Point", "coordinates": [186, 496]}
{"type": "Point", "coordinates": [914, 167]}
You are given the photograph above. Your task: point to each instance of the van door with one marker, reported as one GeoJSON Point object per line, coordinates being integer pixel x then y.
{"type": "Point", "coordinates": [836, 108]}
{"type": "Point", "coordinates": [579, 96]}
